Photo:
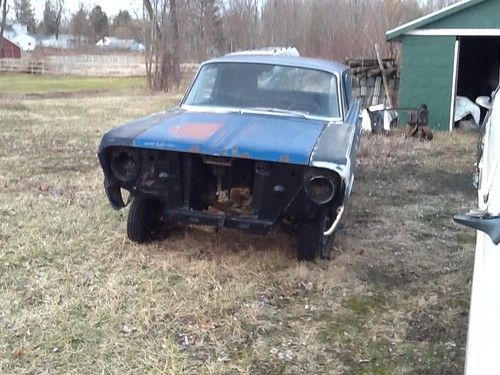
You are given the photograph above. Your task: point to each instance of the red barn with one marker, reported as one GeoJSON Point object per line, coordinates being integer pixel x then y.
{"type": "Point", "coordinates": [9, 50]}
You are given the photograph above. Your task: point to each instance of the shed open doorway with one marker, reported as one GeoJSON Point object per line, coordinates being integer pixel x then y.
{"type": "Point", "coordinates": [478, 67]}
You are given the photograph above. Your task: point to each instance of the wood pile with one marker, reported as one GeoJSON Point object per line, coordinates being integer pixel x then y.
{"type": "Point", "coordinates": [366, 80]}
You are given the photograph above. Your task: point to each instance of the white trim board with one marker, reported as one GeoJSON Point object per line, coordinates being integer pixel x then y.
{"type": "Point", "coordinates": [455, 32]}
{"type": "Point", "coordinates": [456, 57]}
{"type": "Point", "coordinates": [431, 15]}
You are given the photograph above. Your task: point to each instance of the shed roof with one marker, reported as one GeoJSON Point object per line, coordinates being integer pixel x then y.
{"type": "Point", "coordinates": [8, 42]}
{"type": "Point", "coordinates": [430, 18]}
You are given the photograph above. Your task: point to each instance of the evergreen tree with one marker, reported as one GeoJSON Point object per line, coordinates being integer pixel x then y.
{"type": "Point", "coordinates": [99, 22]}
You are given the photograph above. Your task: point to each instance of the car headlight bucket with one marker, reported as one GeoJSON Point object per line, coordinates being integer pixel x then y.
{"type": "Point", "coordinates": [125, 165]}
{"type": "Point", "coordinates": [320, 189]}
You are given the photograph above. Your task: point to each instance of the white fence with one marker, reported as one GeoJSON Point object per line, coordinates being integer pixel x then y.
{"type": "Point", "coordinates": [86, 65]}
{"type": "Point", "coordinates": [22, 66]}
{"type": "Point", "coordinates": [96, 65]}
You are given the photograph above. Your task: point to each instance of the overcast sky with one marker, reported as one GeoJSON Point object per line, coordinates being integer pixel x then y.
{"type": "Point", "coordinates": [111, 7]}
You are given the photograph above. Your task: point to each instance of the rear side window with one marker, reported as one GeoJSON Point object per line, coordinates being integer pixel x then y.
{"type": "Point", "coordinates": [347, 89]}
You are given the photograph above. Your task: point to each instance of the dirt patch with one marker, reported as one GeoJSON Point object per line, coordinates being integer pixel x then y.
{"type": "Point", "coordinates": [53, 95]}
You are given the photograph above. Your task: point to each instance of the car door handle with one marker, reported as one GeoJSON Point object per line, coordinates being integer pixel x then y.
{"type": "Point", "coordinates": [486, 223]}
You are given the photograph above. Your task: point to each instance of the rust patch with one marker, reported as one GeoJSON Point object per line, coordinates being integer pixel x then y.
{"type": "Point", "coordinates": [245, 155]}
{"type": "Point", "coordinates": [196, 130]}
{"type": "Point", "coordinates": [284, 158]}
{"type": "Point", "coordinates": [195, 149]}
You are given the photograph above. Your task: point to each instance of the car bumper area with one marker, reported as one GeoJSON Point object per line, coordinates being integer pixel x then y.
{"type": "Point", "coordinates": [190, 216]}
{"type": "Point", "coordinates": [114, 194]}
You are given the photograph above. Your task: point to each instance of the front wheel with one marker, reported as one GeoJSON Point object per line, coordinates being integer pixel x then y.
{"type": "Point", "coordinates": [143, 219]}
{"type": "Point", "coordinates": [311, 241]}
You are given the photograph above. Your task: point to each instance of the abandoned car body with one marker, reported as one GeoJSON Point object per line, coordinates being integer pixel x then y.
{"type": "Point", "coordinates": [255, 142]}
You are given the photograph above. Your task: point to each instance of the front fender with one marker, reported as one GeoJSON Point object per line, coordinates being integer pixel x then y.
{"type": "Point", "coordinates": [114, 194]}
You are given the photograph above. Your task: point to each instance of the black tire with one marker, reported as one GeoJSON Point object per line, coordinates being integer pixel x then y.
{"type": "Point", "coordinates": [311, 241]}
{"type": "Point", "coordinates": [143, 219]}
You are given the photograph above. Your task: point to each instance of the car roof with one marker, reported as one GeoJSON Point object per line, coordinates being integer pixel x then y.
{"type": "Point", "coordinates": [299, 62]}
{"type": "Point", "coordinates": [268, 51]}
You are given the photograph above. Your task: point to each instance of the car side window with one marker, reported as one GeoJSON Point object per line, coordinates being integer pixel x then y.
{"type": "Point", "coordinates": [204, 86]}
{"type": "Point", "coordinates": [294, 79]}
{"type": "Point", "coordinates": [347, 90]}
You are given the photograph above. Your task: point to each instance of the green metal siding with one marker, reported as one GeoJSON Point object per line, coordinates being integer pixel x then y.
{"type": "Point", "coordinates": [478, 14]}
{"type": "Point", "coordinates": [426, 77]}
{"type": "Point", "coordinates": [485, 15]}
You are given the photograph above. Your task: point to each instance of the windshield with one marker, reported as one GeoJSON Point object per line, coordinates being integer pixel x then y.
{"type": "Point", "coordinates": [266, 86]}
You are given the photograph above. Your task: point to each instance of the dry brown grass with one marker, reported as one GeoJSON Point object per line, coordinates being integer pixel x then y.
{"type": "Point", "coordinates": [77, 297]}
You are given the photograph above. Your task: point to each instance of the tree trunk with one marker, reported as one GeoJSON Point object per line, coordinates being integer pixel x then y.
{"type": "Point", "coordinates": [162, 54]}
{"type": "Point", "coordinates": [176, 69]}
{"type": "Point", "coordinates": [58, 18]}
{"type": "Point", "coordinates": [3, 5]}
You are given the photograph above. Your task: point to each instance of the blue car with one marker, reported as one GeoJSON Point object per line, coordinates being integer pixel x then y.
{"type": "Point", "coordinates": [257, 143]}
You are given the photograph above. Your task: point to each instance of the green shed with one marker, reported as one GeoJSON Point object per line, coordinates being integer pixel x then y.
{"type": "Point", "coordinates": [454, 51]}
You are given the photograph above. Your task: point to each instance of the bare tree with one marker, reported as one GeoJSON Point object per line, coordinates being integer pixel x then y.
{"type": "Point", "coordinates": [162, 52]}
{"type": "Point", "coordinates": [3, 7]}
{"type": "Point", "coordinates": [208, 29]}
{"type": "Point", "coordinates": [59, 11]}
{"type": "Point", "coordinates": [242, 24]}
{"type": "Point", "coordinates": [52, 17]}
{"type": "Point", "coordinates": [25, 14]}
{"type": "Point", "coordinates": [79, 25]}
{"type": "Point", "coordinates": [176, 67]}
{"type": "Point", "coordinates": [332, 29]}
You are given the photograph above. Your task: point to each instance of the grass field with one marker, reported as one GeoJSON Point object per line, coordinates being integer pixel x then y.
{"type": "Point", "coordinates": [76, 297]}
{"type": "Point", "coordinates": [13, 83]}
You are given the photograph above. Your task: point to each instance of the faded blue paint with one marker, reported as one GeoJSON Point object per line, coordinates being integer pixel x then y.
{"type": "Point", "coordinates": [254, 136]}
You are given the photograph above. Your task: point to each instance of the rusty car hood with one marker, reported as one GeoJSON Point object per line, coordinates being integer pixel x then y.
{"type": "Point", "coordinates": [234, 134]}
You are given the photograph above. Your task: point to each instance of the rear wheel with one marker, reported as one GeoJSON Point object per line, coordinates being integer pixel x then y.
{"type": "Point", "coordinates": [143, 219]}
{"type": "Point", "coordinates": [311, 241]}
